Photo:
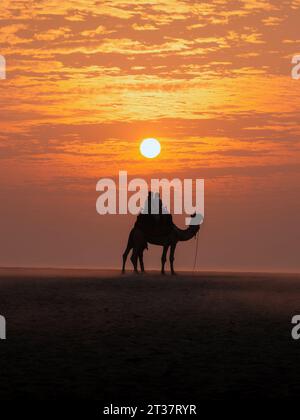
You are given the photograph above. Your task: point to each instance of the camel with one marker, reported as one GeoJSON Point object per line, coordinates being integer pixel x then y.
{"type": "Point", "coordinates": [138, 240]}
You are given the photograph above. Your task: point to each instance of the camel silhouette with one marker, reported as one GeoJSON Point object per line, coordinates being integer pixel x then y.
{"type": "Point", "coordinates": [138, 240]}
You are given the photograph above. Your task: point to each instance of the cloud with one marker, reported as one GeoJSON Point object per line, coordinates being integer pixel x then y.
{"type": "Point", "coordinates": [211, 78]}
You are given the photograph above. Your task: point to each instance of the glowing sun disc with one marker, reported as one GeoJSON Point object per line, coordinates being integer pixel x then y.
{"type": "Point", "coordinates": [150, 148]}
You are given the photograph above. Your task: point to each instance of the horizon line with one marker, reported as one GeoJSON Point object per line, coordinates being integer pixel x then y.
{"type": "Point", "coordinates": [189, 271]}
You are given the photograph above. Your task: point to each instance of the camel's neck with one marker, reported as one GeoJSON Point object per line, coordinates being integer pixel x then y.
{"type": "Point", "coordinates": [187, 234]}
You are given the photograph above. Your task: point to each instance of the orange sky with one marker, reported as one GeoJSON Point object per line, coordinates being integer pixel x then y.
{"type": "Point", "coordinates": [87, 80]}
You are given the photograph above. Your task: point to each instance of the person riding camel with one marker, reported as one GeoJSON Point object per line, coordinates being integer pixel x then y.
{"type": "Point", "coordinates": [154, 216]}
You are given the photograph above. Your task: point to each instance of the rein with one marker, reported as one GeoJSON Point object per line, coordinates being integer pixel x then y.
{"type": "Point", "coordinates": [196, 250]}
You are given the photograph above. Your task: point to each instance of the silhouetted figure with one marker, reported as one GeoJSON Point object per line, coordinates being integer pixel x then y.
{"type": "Point", "coordinates": [154, 217]}
{"type": "Point", "coordinates": [164, 233]}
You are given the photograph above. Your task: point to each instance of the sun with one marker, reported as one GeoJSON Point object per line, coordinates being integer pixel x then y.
{"type": "Point", "coordinates": [150, 148]}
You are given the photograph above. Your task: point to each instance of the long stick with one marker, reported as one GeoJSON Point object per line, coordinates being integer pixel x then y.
{"type": "Point", "coordinates": [196, 251]}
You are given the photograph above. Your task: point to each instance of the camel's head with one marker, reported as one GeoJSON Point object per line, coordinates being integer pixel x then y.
{"type": "Point", "coordinates": [195, 222]}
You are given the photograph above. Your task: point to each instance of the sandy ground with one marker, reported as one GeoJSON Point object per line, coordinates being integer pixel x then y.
{"type": "Point", "coordinates": [102, 336]}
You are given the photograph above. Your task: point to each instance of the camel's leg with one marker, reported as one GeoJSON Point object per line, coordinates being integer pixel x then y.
{"type": "Point", "coordinates": [138, 245]}
{"type": "Point", "coordinates": [164, 258]}
{"type": "Point", "coordinates": [134, 259]}
{"type": "Point", "coordinates": [125, 255]}
{"type": "Point", "coordinates": [128, 248]}
{"type": "Point", "coordinates": [141, 262]}
{"type": "Point", "coordinates": [172, 252]}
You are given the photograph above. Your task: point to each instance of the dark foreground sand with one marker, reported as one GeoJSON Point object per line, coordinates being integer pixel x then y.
{"type": "Point", "coordinates": [103, 336]}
